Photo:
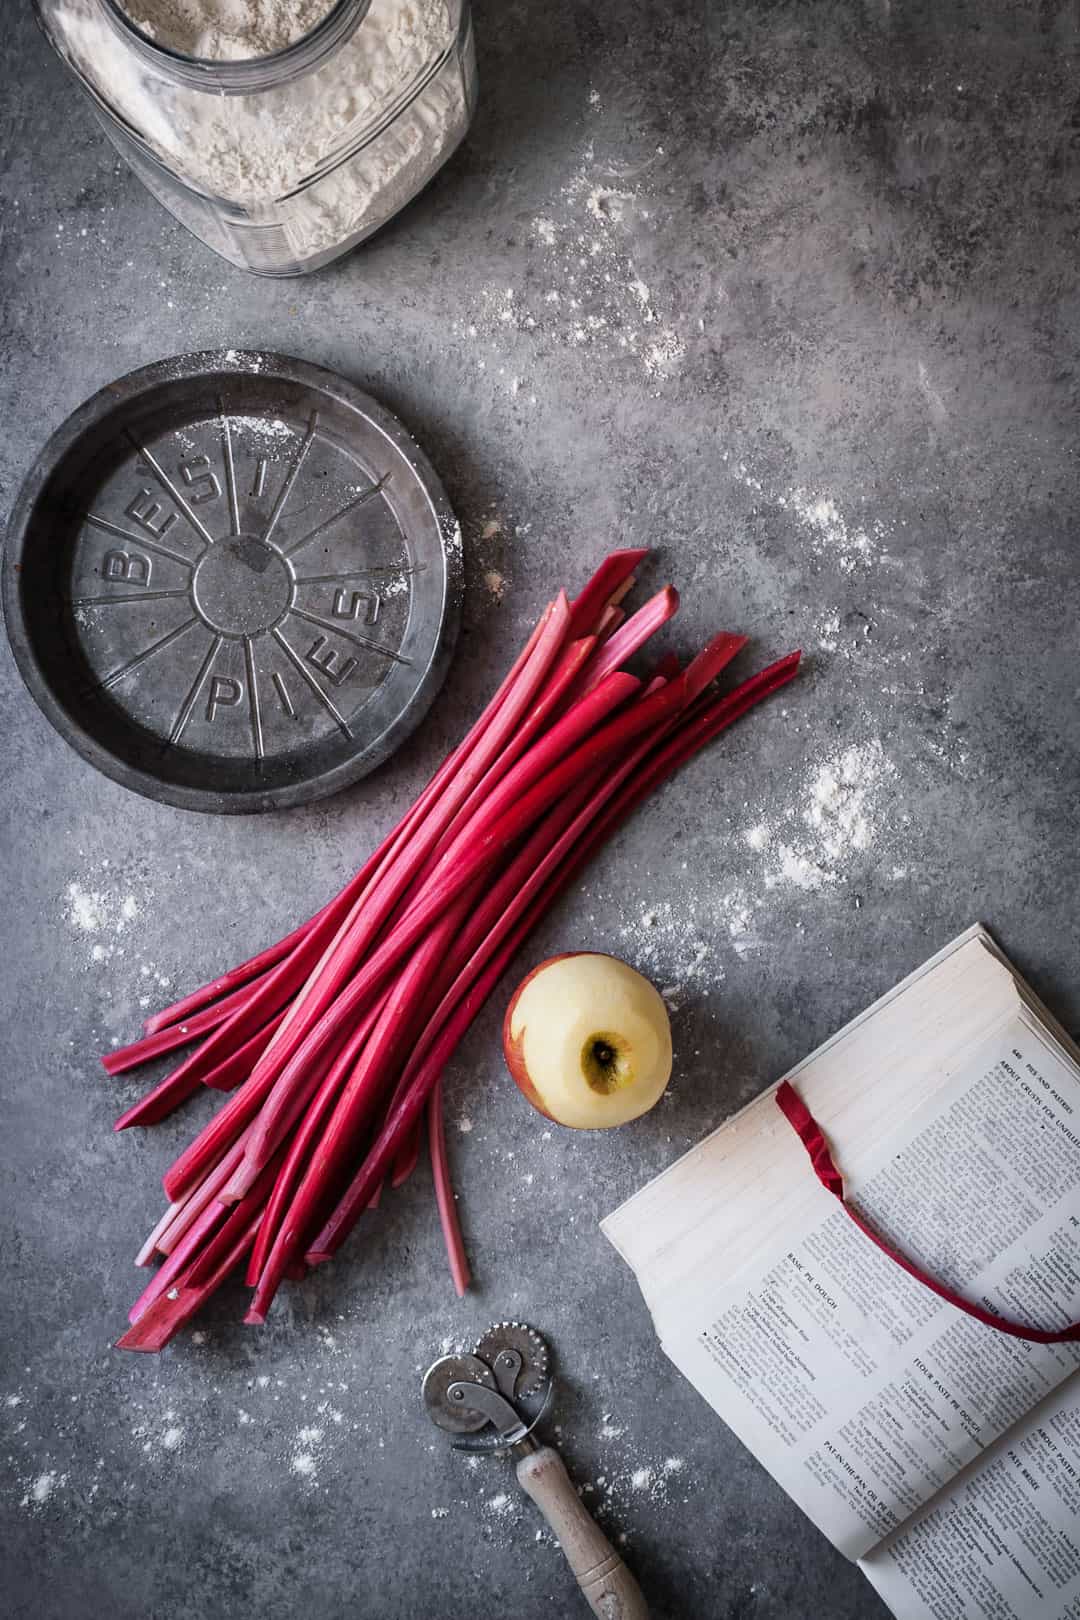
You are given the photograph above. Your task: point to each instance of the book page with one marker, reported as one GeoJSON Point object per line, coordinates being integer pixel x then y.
{"type": "Point", "coordinates": [861, 1391]}
{"type": "Point", "coordinates": [743, 1184]}
{"type": "Point", "coordinates": [1003, 1542]}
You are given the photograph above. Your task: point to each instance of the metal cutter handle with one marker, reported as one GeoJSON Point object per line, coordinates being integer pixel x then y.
{"type": "Point", "coordinates": [610, 1589]}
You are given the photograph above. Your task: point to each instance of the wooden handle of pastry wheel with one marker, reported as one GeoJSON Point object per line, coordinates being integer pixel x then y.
{"type": "Point", "coordinates": [611, 1590]}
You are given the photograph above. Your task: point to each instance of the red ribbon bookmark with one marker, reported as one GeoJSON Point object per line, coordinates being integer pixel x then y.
{"type": "Point", "coordinates": [812, 1137]}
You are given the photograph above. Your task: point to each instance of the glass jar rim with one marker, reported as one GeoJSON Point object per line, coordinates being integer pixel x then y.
{"type": "Point", "coordinates": [248, 72]}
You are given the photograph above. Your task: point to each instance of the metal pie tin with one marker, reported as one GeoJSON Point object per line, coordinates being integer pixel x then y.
{"type": "Point", "coordinates": [232, 581]}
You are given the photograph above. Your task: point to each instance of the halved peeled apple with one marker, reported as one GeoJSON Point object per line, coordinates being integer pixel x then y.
{"type": "Point", "coordinates": [588, 1040]}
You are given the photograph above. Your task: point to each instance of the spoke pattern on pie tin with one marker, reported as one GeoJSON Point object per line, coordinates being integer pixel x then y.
{"type": "Point", "coordinates": [253, 697]}
{"type": "Point", "coordinates": [352, 635]}
{"type": "Point", "coordinates": [230, 467]}
{"type": "Point", "coordinates": [129, 596]}
{"type": "Point", "coordinates": [134, 539]}
{"type": "Point", "coordinates": [396, 569]}
{"type": "Point", "coordinates": [148, 652]}
{"type": "Point", "coordinates": [192, 697]}
{"type": "Point", "coordinates": [327, 523]}
{"type": "Point", "coordinates": [167, 484]}
{"type": "Point", "coordinates": [305, 674]}
{"type": "Point", "coordinates": [292, 475]}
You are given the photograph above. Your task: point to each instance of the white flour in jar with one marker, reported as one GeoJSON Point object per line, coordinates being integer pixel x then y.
{"type": "Point", "coordinates": [226, 30]}
{"type": "Point", "coordinates": [300, 155]}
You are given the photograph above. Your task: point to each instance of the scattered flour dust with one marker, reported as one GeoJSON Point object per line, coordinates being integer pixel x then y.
{"type": "Point", "coordinates": [828, 632]}
{"type": "Point", "coordinates": [832, 536]}
{"type": "Point", "coordinates": [852, 548]}
{"type": "Point", "coordinates": [838, 822]}
{"type": "Point", "coordinates": [669, 951]}
{"type": "Point", "coordinates": [42, 1488]}
{"type": "Point", "coordinates": [660, 1482]}
{"type": "Point", "coordinates": [307, 1445]}
{"type": "Point", "coordinates": [583, 291]}
{"type": "Point", "coordinates": [838, 818]}
{"type": "Point", "coordinates": [833, 822]}
{"type": "Point", "coordinates": [300, 1421]}
{"type": "Point", "coordinates": [156, 1440]}
{"type": "Point", "coordinates": [101, 912]}
{"type": "Point", "coordinates": [844, 636]}
{"type": "Point", "coordinates": [662, 355]}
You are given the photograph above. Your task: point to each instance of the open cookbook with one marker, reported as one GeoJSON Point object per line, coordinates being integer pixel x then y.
{"type": "Point", "coordinates": [940, 1452]}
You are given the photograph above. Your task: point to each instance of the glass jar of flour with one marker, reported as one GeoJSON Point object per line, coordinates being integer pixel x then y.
{"type": "Point", "coordinates": [281, 132]}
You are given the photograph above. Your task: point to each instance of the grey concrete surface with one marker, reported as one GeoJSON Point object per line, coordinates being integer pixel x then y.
{"type": "Point", "coordinates": [788, 292]}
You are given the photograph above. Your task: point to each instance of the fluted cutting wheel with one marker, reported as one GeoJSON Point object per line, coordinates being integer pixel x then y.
{"type": "Point", "coordinates": [518, 1336]}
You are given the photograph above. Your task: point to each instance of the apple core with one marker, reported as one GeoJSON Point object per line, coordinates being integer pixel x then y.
{"type": "Point", "coordinates": [606, 1064]}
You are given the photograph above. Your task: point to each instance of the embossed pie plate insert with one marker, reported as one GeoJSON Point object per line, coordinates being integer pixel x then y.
{"type": "Point", "coordinates": [232, 581]}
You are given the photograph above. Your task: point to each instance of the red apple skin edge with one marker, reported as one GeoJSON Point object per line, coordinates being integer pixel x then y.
{"type": "Point", "coordinates": [513, 1050]}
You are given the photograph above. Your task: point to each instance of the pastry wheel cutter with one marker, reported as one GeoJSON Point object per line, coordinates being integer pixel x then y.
{"type": "Point", "coordinates": [492, 1401]}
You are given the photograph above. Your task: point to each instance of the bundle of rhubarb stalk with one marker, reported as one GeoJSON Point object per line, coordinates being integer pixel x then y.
{"type": "Point", "coordinates": [331, 1043]}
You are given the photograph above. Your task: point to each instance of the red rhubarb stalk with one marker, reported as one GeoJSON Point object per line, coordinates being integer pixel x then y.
{"type": "Point", "coordinates": [160, 1100]}
{"type": "Point", "coordinates": [355, 1104]}
{"type": "Point", "coordinates": [170, 1269]}
{"type": "Point", "coordinates": [412, 1099]}
{"type": "Point", "coordinates": [283, 1110]}
{"type": "Point", "coordinates": [149, 1047]}
{"type": "Point", "coordinates": [408, 1157]}
{"type": "Point", "coordinates": [149, 1249]}
{"type": "Point", "coordinates": [177, 1305]}
{"type": "Point", "coordinates": [278, 987]}
{"type": "Point", "coordinates": [229, 1073]}
{"type": "Point", "coordinates": [611, 578]}
{"type": "Point", "coordinates": [482, 919]}
{"type": "Point", "coordinates": [215, 1138]}
{"type": "Point", "coordinates": [197, 1200]}
{"type": "Point", "coordinates": [456, 1015]}
{"type": "Point", "coordinates": [253, 968]}
{"type": "Point", "coordinates": [238, 1220]}
{"type": "Point", "coordinates": [299, 1151]}
{"type": "Point", "coordinates": [444, 1193]}
{"type": "Point", "coordinates": [361, 929]}
{"type": "Point", "coordinates": [552, 698]}
{"type": "Point", "coordinates": [609, 621]}
{"type": "Point", "coordinates": [457, 872]}
{"type": "Point", "coordinates": [173, 1090]}
{"type": "Point", "coordinates": [631, 636]}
